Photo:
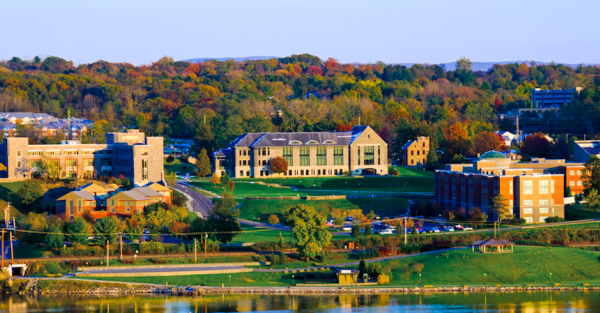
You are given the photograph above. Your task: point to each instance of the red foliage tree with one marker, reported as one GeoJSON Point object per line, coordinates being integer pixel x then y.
{"type": "Point", "coordinates": [486, 141]}
{"type": "Point", "coordinates": [497, 104]}
{"type": "Point", "coordinates": [315, 71]}
{"type": "Point", "coordinates": [536, 145]}
{"type": "Point", "coordinates": [343, 128]}
{"type": "Point", "coordinates": [278, 165]}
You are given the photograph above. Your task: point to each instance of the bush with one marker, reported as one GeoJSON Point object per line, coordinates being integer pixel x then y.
{"type": "Point", "coordinates": [383, 279]}
{"type": "Point", "coordinates": [128, 261]}
{"type": "Point", "coordinates": [554, 219]}
{"type": "Point", "coordinates": [159, 261]}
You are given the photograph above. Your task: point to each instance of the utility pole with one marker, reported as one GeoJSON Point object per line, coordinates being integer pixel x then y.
{"type": "Point", "coordinates": [405, 222]}
{"type": "Point", "coordinates": [518, 137]}
{"type": "Point", "coordinates": [107, 249]}
{"type": "Point", "coordinates": [2, 247]}
{"type": "Point", "coordinates": [205, 239]}
{"type": "Point", "coordinates": [494, 230]}
{"type": "Point", "coordinates": [11, 249]}
{"type": "Point", "coordinates": [195, 254]}
{"type": "Point", "coordinates": [121, 244]}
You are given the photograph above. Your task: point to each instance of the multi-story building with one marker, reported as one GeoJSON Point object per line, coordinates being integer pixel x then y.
{"type": "Point", "coordinates": [359, 151]}
{"type": "Point", "coordinates": [583, 149]}
{"type": "Point", "coordinates": [415, 152]}
{"type": "Point", "coordinates": [535, 190]}
{"type": "Point", "coordinates": [101, 201]}
{"type": "Point", "coordinates": [548, 98]}
{"type": "Point", "coordinates": [130, 154]}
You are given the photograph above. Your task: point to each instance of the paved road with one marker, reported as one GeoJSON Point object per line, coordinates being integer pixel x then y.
{"type": "Point", "coordinates": [200, 203]}
{"type": "Point", "coordinates": [166, 270]}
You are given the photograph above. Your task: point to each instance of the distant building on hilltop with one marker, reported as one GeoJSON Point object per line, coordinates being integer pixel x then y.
{"type": "Point", "coordinates": [359, 151]}
{"type": "Point", "coordinates": [553, 98]}
{"type": "Point", "coordinates": [415, 152]}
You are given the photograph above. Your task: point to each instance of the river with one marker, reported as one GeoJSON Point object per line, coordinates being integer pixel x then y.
{"type": "Point", "coordinates": [440, 302]}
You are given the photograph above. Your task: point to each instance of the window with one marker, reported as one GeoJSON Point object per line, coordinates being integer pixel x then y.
{"type": "Point", "coordinates": [572, 172]}
{"type": "Point", "coordinates": [338, 155]}
{"type": "Point", "coordinates": [241, 173]}
{"type": "Point", "coordinates": [19, 153]}
{"type": "Point", "coordinates": [572, 183]}
{"type": "Point", "coordinates": [543, 187]}
{"type": "Point", "coordinates": [127, 203]}
{"type": "Point", "coordinates": [529, 220]}
{"type": "Point", "coordinates": [112, 202]}
{"type": "Point", "coordinates": [528, 187]}
{"type": "Point", "coordinates": [304, 156]}
{"type": "Point", "coordinates": [35, 153]}
{"type": "Point", "coordinates": [578, 172]}
{"type": "Point", "coordinates": [527, 211]}
{"type": "Point", "coordinates": [511, 203]}
{"type": "Point", "coordinates": [88, 162]}
{"type": "Point", "coordinates": [71, 163]}
{"type": "Point", "coordinates": [578, 183]}
{"type": "Point", "coordinates": [369, 155]}
{"type": "Point", "coordinates": [71, 152]}
{"type": "Point", "coordinates": [544, 210]}
{"type": "Point", "coordinates": [358, 155]}
{"type": "Point", "coordinates": [88, 151]}
{"type": "Point", "coordinates": [543, 202]}
{"type": "Point", "coordinates": [312, 142]}
{"type": "Point", "coordinates": [552, 201]}
{"type": "Point", "coordinates": [379, 156]}
{"type": "Point", "coordinates": [288, 155]}
{"type": "Point", "coordinates": [527, 202]}
{"type": "Point", "coordinates": [510, 187]}
{"type": "Point", "coordinates": [322, 156]}
{"type": "Point", "coordinates": [36, 164]}
{"type": "Point", "coordinates": [52, 152]}
{"type": "Point", "coordinates": [144, 152]}
{"type": "Point", "coordinates": [552, 186]}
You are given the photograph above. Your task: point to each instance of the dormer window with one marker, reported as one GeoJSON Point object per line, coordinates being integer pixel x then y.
{"type": "Point", "coordinates": [312, 142]}
{"type": "Point", "coordinates": [295, 142]}
{"type": "Point", "coordinates": [329, 142]}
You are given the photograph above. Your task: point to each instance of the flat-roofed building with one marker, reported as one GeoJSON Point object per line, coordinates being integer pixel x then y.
{"type": "Point", "coordinates": [548, 98]}
{"type": "Point", "coordinates": [535, 190]}
{"type": "Point", "coordinates": [359, 151]}
{"type": "Point", "coordinates": [129, 154]}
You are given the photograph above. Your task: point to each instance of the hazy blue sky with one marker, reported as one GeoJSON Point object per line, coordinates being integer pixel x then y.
{"type": "Point", "coordinates": [392, 31]}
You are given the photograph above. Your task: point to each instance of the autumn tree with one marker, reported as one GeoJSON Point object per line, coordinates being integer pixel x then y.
{"type": "Point", "coordinates": [273, 219]}
{"type": "Point", "coordinates": [536, 145]}
{"type": "Point", "coordinates": [214, 179]}
{"type": "Point", "coordinates": [35, 224]}
{"type": "Point", "coordinates": [486, 141]}
{"type": "Point", "coordinates": [592, 200]}
{"type": "Point", "coordinates": [591, 173]}
{"type": "Point", "coordinates": [501, 208]}
{"type": "Point", "coordinates": [203, 166]}
{"type": "Point", "coordinates": [279, 165]}
{"type": "Point", "coordinates": [457, 140]}
{"type": "Point", "coordinates": [309, 230]}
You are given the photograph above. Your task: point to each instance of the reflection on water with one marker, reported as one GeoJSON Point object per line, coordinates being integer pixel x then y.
{"type": "Point", "coordinates": [464, 302]}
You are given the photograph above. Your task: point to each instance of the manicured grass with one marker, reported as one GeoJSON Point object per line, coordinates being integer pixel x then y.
{"type": "Point", "coordinates": [263, 208]}
{"type": "Point", "coordinates": [247, 189]}
{"type": "Point", "coordinates": [405, 171]}
{"type": "Point", "coordinates": [533, 265]}
{"type": "Point", "coordinates": [237, 279]}
{"type": "Point", "coordinates": [580, 212]}
{"type": "Point", "coordinates": [178, 166]}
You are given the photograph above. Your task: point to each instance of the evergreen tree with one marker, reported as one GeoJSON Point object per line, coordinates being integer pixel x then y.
{"type": "Point", "coordinates": [356, 231]}
{"type": "Point", "coordinates": [106, 230]}
{"type": "Point", "coordinates": [368, 230]}
{"type": "Point", "coordinates": [223, 218]}
{"type": "Point", "coordinates": [55, 238]}
{"type": "Point", "coordinates": [204, 138]}
{"type": "Point", "coordinates": [78, 231]}
{"type": "Point", "coordinates": [203, 167]}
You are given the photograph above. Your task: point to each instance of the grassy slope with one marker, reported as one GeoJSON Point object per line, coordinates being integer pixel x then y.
{"type": "Point", "coordinates": [580, 212]}
{"type": "Point", "coordinates": [535, 264]}
{"type": "Point", "coordinates": [263, 208]}
{"type": "Point", "coordinates": [8, 193]}
{"type": "Point", "coordinates": [178, 166]}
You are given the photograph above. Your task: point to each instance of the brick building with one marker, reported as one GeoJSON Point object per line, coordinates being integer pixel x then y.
{"type": "Point", "coordinates": [535, 190]}
{"type": "Point", "coordinates": [415, 152]}
{"type": "Point", "coordinates": [130, 154]}
{"type": "Point", "coordinates": [359, 151]}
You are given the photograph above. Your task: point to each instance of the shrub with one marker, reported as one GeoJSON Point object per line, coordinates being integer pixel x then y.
{"type": "Point", "coordinates": [383, 279]}
{"type": "Point", "coordinates": [554, 219]}
{"type": "Point", "coordinates": [128, 261]}
{"type": "Point", "coordinates": [158, 261]}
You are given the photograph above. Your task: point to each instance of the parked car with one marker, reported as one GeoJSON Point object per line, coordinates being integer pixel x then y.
{"type": "Point", "coordinates": [467, 228]}
{"type": "Point", "coordinates": [386, 232]}
{"type": "Point", "coordinates": [433, 230]}
{"type": "Point", "coordinates": [377, 217]}
{"type": "Point", "coordinates": [458, 227]}
{"type": "Point", "coordinates": [347, 228]}
{"type": "Point", "coordinates": [349, 218]}
{"type": "Point", "coordinates": [449, 228]}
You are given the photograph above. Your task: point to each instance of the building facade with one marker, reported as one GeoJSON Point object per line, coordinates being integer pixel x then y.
{"type": "Point", "coordinates": [549, 98]}
{"type": "Point", "coordinates": [359, 151]}
{"type": "Point", "coordinates": [415, 152]}
{"type": "Point", "coordinates": [535, 190]}
{"type": "Point", "coordinates": [130, 154]}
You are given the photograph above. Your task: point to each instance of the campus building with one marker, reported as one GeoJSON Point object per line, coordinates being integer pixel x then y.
{"type": "Point", "coordinates": [534, 190]}
{"type": "Point", "coordinates": [130, 154]}
{"type": "Point", "coordinates": [359, 151]}
{"type": "Point", "coordinates": [553, 98]}
{"type": "Point", "coordinates": [106, 201]}
{"type": "Point", "coordinates": [415, 152]}
{"type": "Point", "coordinates": [583, 149]}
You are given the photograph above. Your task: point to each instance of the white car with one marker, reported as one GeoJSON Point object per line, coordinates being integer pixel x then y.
{"type": "Point", "coordinates": [347, 228]}
{"type": "Point", "coordinates": [386, 232]}
{"type": "Point", "coordinates": [467, 228]}
{"type": "Point", "coordinates": [449, 229]}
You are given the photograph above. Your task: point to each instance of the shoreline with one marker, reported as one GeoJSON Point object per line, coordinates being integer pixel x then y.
{"type": "Point", "coordinates": [83, 287]}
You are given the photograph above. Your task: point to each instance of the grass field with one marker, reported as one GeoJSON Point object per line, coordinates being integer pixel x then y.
{"type": "Point", "coordinates": [178, 166]}
{"type": "Point", "coordinates": [532, 265]}
{"type": "Point", "coordinates": [383, 206]}
{"type": "Point", "coordinates": [8, 193]}
{"type": "Point", "coordinates": [580, 212]}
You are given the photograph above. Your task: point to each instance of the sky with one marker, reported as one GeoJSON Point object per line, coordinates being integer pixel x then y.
{"type": "Point", "coordinates": [393, 31]}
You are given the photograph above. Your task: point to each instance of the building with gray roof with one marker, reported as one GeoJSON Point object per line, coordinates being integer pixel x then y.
{"type": "Point", "coordinates": [360, 152]}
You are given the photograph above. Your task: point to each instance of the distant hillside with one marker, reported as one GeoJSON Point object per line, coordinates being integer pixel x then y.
{"type": "Point", "coordinates": [485, 66]}
{"type": "Point", "coordinates": [240, 59]}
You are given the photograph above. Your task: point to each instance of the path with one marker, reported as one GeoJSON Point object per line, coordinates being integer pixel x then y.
{"type": "Point", "coordinates": [200, 204]}
{"type": "Point", "coordinates": [166, 270]}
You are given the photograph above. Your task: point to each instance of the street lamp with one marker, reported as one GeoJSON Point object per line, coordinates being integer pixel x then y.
{"type": "Point", "coordinates": [420, 279]}
{"type": "Point", "coordinates": [550, 278]}
{"type": "Point", "coordinates": [485, 275]}
{"type": "Point", "coordinates": [293, 281]}
{"type": "Point", "coordinates": [229, 280]}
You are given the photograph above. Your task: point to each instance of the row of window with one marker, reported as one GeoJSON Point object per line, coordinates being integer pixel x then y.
{"type": "Point", "coordinates": [530, 210]}
{"type": "Point", "coordinates": [572, 183]}
{"type": "Point", "coordinates": [542, 202]}
{"type": "Point", "coordinates": [529, 219]}
{"type": "Point", "coordinates": [300, 172]}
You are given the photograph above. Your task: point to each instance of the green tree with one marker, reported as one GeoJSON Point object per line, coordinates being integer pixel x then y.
{"type": "Point", "coordinates": [591, 173]}
{"type": "Point", "coordinates": [501, 208]}
{"type": "Point", "coordinates": [35, 224]}
{"type": "Point", "coordinates": [30, 193]}
{"type": "Point", "coordinates": [356, 230]}
{"type": "Point", "coordinates": [309, 230]}
{"type": "Point", "coordinates": [464, 64]}
{"type": "Point", "coordinates": [78, 231]}
{"type": "Point", "coordinates": [338, 221]}
{"type": "Point", "coordinates": [203, 167]}
{"type": "Point", "coordinates": [568, 192]}
{"type": "Point", "coordinates": [204, 138]}
{"type": "Point", "coordinates": [135, 226]}
{"type": "Point", "coordinates": [223, 218]}
{"type": "Point", "coordinates": [106, 230]}
{"type": "Point", "coordinates": [371, 216]}
{"type": "Point", "coordinates": [368, 230]}
{"type": "Point", "coordinates": [592, 199]}
{"type": "Point", "coordinates": [225, 179]}
{"type": "Point", "coordinates": [171, 178]}
{"type": "Point", "coordinates": [55, 238]}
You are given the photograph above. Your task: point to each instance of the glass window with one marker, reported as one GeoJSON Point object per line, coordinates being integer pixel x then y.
{"type": "Point", "coordinates": [322, 156]}
{"type": "Point", "coordinates": [543, 210]}
{"type": "Point", "coordinates": [527, 202]}
{"type": "Point", "coordinates": [288, 155]}
{"type": "Point", "coordinates": [304, 156]}
{"type": "Point", "coordinates": [578, 183]}
{"type": "Point", "coordinates": [572, 172]}
{"type": "Point", "coordinates": [572, 183]}
{"type": "Point", "coordinates": [369, 155]}
{"type": "Point", "coordinates": [528, 187]}
{"type": "Point", "coordinates": [529, 219]}
{"type": "Point", "coordinates": [72, 163]}
{"type": "Point", "coordinates": [144, 152]}
{"type": "Point", "coordinates": [527, 210]}
{"type": "Point", "coordinates": [578, 172]}
{"type": "Point", "coordinates": [338, 155]}
{"type": "Point", "coordinates": [543, 187]}
{"type": "Point", "coordinates": [543, 202]}
{"type": "Point", "coordinates": [88, 162]}
{"type": "Point", "coordinates": [552, 186]}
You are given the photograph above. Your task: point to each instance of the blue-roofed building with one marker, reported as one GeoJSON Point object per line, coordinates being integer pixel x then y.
{"type": "Point", "coordinates": [359, 151]}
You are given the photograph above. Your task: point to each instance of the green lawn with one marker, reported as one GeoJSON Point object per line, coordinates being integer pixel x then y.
{"type": "Point", "coordinates": [178, 166]}
{"type": "Point", "coordinates": [8, 193]}
{"type": "Point", "coordinates": [240, 279]}
{"type": "Point", "coordinates": [580, 212]}
{"type": "Point", "coordinates": [532, 264]}
{"type": "Point", "coordinates": [383, 206]}
{"type": "Point", "coordinates": [26, 251]}
{"type": "Point", "coordinates": [405, 171]}
{"type": "Point", "coordinates": [247, 189]}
